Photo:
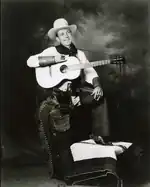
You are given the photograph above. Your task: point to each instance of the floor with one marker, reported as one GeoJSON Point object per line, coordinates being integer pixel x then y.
{"type": "Point", "coordinates": [35, 176]}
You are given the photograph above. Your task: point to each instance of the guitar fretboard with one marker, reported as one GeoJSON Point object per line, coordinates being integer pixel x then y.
{"type": "Point", "coordinates": [88, 65]}
{"type": "Point", "coordinates": [100, 63]}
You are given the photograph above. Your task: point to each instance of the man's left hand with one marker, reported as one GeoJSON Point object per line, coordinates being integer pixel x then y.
{"type": "Point", "coordinates": [97, 93]}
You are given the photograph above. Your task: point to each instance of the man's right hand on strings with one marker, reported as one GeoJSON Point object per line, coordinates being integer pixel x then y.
{"type": "Point", "coordinates": [60, 58]}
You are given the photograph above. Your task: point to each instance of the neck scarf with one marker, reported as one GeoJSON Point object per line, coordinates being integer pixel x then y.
{"type": "Point", "coordinates": [66, 51]}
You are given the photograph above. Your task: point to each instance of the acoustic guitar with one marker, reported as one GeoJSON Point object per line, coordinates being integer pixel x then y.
{"type": "Point", "coordinates": [49, 77]}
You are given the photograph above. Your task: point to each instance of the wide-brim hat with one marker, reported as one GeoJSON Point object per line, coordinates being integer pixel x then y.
{"type": "Point", "coordinates": [59, 24]}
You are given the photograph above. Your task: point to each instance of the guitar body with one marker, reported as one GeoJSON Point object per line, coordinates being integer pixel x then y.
{"type": "Point", "coordinates": [48, 77]}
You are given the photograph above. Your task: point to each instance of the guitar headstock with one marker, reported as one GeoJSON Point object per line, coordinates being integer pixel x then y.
{"type": "Point", "coordinates": [117, 59]}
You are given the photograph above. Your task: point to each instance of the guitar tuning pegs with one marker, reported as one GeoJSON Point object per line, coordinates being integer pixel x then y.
{"type": "Point", "coordinates": [117, 59]}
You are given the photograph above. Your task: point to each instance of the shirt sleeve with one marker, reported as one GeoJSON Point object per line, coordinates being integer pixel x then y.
{"type": "Point", "coordinates": [33, 61]}
{"type": "Point", "coordinates": [89, 73]}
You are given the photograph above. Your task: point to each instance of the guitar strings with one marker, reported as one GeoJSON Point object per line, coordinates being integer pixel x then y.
{"type": "Point", "coordinates": [88, 65]}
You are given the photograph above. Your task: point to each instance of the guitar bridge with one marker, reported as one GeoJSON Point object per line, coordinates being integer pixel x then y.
{"type": "Point", "coordinates": [50, 71]}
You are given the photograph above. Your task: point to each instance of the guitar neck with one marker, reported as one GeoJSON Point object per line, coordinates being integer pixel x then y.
{"type": "Point", "coordinates": [100, 63]}
{"type": "Point", "coordinates": [89, 65]}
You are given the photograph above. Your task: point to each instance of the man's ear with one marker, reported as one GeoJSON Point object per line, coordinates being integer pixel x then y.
{"type": "Point", "coordinates": [57, 39]}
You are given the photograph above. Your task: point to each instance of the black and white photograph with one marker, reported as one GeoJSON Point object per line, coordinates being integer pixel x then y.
{"type": "Point", "coordinates": [75, 93]}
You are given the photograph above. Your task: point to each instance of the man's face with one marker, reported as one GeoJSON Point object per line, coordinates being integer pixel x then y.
{"type": "Point", "coordinates": [65, 37]}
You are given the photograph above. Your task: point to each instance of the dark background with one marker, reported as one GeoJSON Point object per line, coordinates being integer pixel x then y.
{"type": "Point", "coordinates": [105, 28]}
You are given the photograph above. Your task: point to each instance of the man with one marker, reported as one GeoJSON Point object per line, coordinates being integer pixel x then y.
{"type": "Point", "coordinates": [63, 33]}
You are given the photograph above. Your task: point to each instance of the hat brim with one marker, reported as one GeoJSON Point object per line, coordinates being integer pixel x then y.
{"type": "Point", "coordinates": [52, 32]}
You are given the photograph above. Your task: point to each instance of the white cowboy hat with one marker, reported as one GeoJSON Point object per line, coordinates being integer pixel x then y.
{"type": "Point", "coordinates": [59, 24]}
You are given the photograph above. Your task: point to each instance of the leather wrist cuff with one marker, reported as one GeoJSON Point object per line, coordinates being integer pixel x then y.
{"type": "Point", "coordinates": [46, 61]}
{"type": "Point", "coordinates": [96, 82]}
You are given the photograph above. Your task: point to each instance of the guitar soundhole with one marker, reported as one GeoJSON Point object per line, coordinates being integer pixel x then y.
{"type": "Point", "coordinates": [63, 69]}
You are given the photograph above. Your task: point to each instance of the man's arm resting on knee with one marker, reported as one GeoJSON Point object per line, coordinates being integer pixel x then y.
{"type": "Point", "coordinates": [96, 82]}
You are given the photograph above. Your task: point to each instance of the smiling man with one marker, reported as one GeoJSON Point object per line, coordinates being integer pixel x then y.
{"type": "Point", "coordinates": [88, 80]}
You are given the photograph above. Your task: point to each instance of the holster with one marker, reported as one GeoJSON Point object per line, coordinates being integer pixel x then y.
{"type": "Point", "coordinates": [57, 115]}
